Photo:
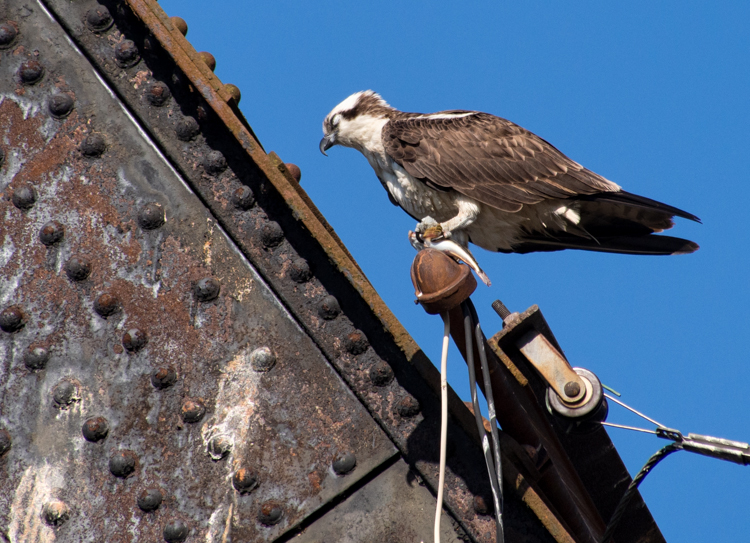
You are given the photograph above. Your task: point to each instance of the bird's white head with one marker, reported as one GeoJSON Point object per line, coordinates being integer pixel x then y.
{"type": "Point", "coordinates": [355, 120]}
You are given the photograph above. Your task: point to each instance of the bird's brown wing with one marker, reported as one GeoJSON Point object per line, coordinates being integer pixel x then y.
{"type": "Point", "coordinates": [487, 158]}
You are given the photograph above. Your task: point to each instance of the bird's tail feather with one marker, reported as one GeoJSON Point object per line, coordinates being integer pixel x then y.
{"type": "Point", "coordinates": [634, 245]}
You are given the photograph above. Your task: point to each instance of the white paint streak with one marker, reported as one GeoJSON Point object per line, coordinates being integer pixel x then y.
{"type": "Point", "coordinates": [38, 485]}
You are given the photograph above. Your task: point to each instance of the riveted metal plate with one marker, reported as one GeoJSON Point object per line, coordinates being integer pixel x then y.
{"type": "Point", "coordinates": [141, 355]}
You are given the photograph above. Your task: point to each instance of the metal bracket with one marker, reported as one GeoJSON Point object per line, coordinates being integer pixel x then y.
{"type": "Point", "coordinates": [553, 367]}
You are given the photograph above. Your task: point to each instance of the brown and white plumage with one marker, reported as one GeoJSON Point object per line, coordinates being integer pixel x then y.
{"type": "Point", "coordinates": [491, 182]}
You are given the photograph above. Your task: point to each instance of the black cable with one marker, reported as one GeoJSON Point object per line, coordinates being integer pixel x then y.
{"type": "Point", "coordinates": [657, 457]}
{"type": "Point", "coordinates": [494, 467]}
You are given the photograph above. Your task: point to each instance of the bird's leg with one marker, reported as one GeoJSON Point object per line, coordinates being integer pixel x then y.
{"type": "Point", "coordinates": [468, 211]}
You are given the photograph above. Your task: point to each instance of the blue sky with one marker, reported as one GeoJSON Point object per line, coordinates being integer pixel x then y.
{"type": "Point", "coordinates": [652, 95]}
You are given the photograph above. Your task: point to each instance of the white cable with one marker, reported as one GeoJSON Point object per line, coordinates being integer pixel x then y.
{"type": "Point", "coordinates": [443, 420]}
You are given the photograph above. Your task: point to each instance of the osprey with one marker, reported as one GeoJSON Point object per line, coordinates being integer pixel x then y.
{"type": "Point", "coordinates": [486, 180]}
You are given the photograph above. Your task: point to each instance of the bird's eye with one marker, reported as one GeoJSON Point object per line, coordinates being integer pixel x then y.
{"type": "Point", "coordinates": [335, 121]}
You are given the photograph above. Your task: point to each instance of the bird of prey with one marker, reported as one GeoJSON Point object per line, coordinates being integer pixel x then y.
{"type": "Point", "coordinates": [488, 181]}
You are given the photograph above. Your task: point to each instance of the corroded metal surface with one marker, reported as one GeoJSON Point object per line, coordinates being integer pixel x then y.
{"type": "Point", "coordinates": [147, 370]}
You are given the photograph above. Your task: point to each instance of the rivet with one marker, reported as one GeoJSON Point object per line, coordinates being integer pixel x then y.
{"type": "Point", "coordinates": [245, 480]}
{"type": "Point", "coordinates": [408, 407]}
{"type": "Point", "coordinates": [180, 24]}
{"type": "Point", "coordinates": [215, 163]}
{"type": "Point", "coordinates": [187, 128]}
{"type": "Point", "coordinates": [480, 505]}
{"type": "Point", "coordinates": [158, 94]}
{"type": "Point", "coordinates": [95, 429]}
{"type": "Point", "coordinates": [77, 268]}
{"type": "Point", "coordinates": [55, 513]}
{"type": "Point", "coordinates": [134, 340]}
{"type": "Point", "coordinates": [271, 234]}
{"type": "Point", "coordinates": [12, 319]}
{"type": "Point", "coordinates": [381, 374]}
{"type": "Point", "coordinates": [93, 146]}
{"type": "Point", "coordinates": [270, 513]}
{"type": "Point", "coordinates": [122, 463]}
{"type": "Point", "coordinates": [192, 410]}
{"type": "Point", "coordinates": [30, 72]}
{"type": "Point", "coordinates": [126, 54]}
{"type": "Point", "coordinates": [164, 377]}
{"type": "Point", "coordinates": [207, 289]}
{"type": "Point", "coordinates": [8, 33]}
{"type": "Point", "coordinates": [51, 233]}
{"type": "Point", "coordinates": [151, 216]}
{"type": "Point", "coordinates": [294, 171]}
{"type": "Point", "coordinates": [5, 441]}
{"type": "Point", "coordinates": [219, 447]}
{"type": "Point", "coordinates": [208, 59]}
{"type": "Point", "coordinates": [24, 197]}
{"type": "Point", "coordinates": [572, 389]}
{"type": "Point", "coordinates": [36, 357]}
{"type": "Point", "coordinates": [356, 343]}
{"type": "Point", "coordinates": [328, 308]}
{"type": "Point", "coordinates": [150, 499]}
{"type": "Point", "coordinates": [243, 198]}
{"type": "Point", "coordinates": [262, 359]}
{"type": "Point", "coordinates": [299, 270]}
{"type": "Point", "coordinates": [106, 305]}
{"type": "Point", "coordinates": [175, 532]}
{"type": "Point", "coordinates": [344, 463]}
{"type": "Point", "coordinates": [60, 105]}
{"type": "Point", "coordinates": [233, 91]}
{"type": "Point", "coordinates": [64, 394]}
{"type": "Point", "coordinates": [99, 19]}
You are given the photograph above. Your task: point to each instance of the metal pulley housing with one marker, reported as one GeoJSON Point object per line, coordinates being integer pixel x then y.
{"type": "Point", "coordinates": [590, 408]}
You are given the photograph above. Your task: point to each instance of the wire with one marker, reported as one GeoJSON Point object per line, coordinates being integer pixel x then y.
{"type": "Point", "coordinates": [659, 424]}
{"type": "Point", "coordinates": [657, 457]}
{"type": "Point", "coordinates": [443, 420]}
{"type": "Point", "coordinates": [613, 425]}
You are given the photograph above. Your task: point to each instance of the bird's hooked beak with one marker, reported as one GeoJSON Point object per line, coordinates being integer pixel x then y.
{"type": "Point", "coordinates": [328, 141]}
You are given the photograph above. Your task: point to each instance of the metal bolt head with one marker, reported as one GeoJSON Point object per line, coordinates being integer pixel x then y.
{"type": "Point", "coordinates": [572, 389]}
{"type": "Point", "coordinates": [55, 513]}
{"type": "Point", "coordinates": [60, 105]}
{"type": "Point", "coordinates": [192, 410]}
{"type": "Point", "coordinates": [208, 59]}
{"type": "Point", "coordinates": [294, 171]}
{"type": "Point", "coordinates": [150, 499]}
{"type": "Point", "coordinates": [175, 532]}
{"type": "Point", "coordinates": [78, 268]}
{"type": "Point", "coordinates": [8, 33]}
{"type": "Point", "coordinates": [24, 197]}
{"type": "Point", "coordinates": [64, 394]}
{"type": "Point", "coordinates": [234, 92]}
{"type": "Point", "coordinates": [207, 289]}
{"type": "Point", "coordinates": [381, 374]}
{"type": "Point", "coordinates": [122, 464]}
{"type": "Point", "coordinates": [271, 234]}
{"type": "Point", "coordinates": [480, 505]}
{"type": "Point", "coordinates": [408, 407]}
{"type": "Point", "coordinates": [164, 377]}
{"type": "Point", "coordinates": [134, 340]}
{"type": "Point", "coordinates": [215, 163]}
{"type": "Point", "coordinates": [36, 357]}
{"type": "Point", "coordinates": [180, 24]}
{"type": "Point", "coordinates": [299, 270]}
{"type": "Point", "coordinates": [356, 343]}
{"type": "Point", "coordinates": [126, 54]}
{"type": "Point", "coordinates": [243, 198]}
{"type": "Point", "coordinates": [328, 308]}
{"type": "Point", "coordinates": [99, 19]}
{"type": "Point", "coordinates": [12, 319]}
{"type": "Point", "coordinates": [270, 513]}
{"type": "Point", "coordinates": [245, 480]}
{"type": "Point", "coordinates": [151, 216]}
{"type": "Point", "coordinates": [106, 305]}
{"type": "Point", "coordinates": [95, 429]}
{"type": "Point", "coordinates": [5, 441]}
{"type": "Point", "coordinates": [187, 128]}
{"type": "Point", "coordinates": [30, 72]}
{"type": "Point", "coordinates": [344, 463]}
{"type": "Point", "coordinates": [51, 233]}
{"type": "Point", "coordinates": [262, 359]}
{"type": "Point", "coordinates": [93, 146]}
{"type": "Point", "coordinates": [158, 94]}
{"type": "Point", "coordinates": [219, 447]}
